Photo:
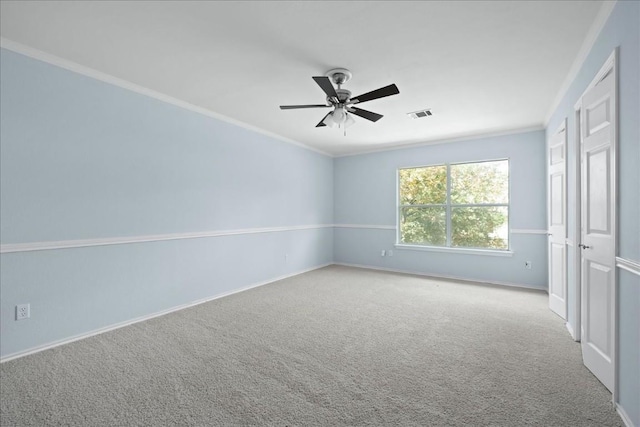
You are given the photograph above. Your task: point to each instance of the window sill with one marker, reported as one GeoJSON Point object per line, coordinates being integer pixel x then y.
{"type": "Point", "coordinates": [487, 252]}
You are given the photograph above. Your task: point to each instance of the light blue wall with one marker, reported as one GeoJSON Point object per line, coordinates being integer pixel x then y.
{"type": "Point", "coordinates": [365, 194]}
{"type": "Point", "coordinates": [82, 159]}
{"type": "Point", "coordinates": [621, 30]}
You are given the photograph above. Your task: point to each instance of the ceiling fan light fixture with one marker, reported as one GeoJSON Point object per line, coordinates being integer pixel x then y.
{"type": "Point", "coordinates": [349, 121]}
{"type": "Point", "coordinates": [329, 120]}
{"type": "Point", "coordinates": [339, 115]}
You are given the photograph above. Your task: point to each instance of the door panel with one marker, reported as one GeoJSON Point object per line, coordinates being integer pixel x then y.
{"type": "Point", "coordinates": [558, 270]}
{"type": "Point", "coordinates": [557, 199]}
{"type": "Point", "coordinates": [557, 222]}
{"type": "Point", "coordinates": [598, 229]}
{"type": "Point", "coordinates": [598, 287]}
{"type": "Point", "coordinates": [598, 214]}
{"type": "Point", "coordinates": [598, 116]}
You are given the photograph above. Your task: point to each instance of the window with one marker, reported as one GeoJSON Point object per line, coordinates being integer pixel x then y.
{"type": "Point", "coordinates": [463, 205]}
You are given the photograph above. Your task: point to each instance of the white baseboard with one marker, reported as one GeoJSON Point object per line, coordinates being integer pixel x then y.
{"type": "Point", "coordinates": [442, 276]}
{"type": "Point", "coordinates": [119, 325]}
{"type": "Point", "coordinates": [625, 417]}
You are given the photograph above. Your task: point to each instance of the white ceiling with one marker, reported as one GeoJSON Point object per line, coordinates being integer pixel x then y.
{"type": "Point", "coordinates": [482, 66]}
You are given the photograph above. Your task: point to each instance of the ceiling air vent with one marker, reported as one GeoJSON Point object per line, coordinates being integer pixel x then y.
{"type": "Point", "coordinates": [420, 114]}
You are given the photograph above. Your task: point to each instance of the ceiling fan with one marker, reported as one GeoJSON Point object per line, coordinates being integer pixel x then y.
{"type": "Point", "coordinates": [341, 101]}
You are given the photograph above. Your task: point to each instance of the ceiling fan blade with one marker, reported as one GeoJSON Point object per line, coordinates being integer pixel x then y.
{"type": "Point", "coordinates": [325, 84]}
{"type": "Point", "coordinates": [319, 125]}
{"type": "Point", "coordinates": [375, 94]}
{"type": "Point", "coordinates": [293, 107]}
{"type": "Point", "coordinates": [374, 117]}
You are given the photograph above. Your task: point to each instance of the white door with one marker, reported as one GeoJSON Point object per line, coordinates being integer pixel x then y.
{"type": "Point", "coordinates": [557, 222]}
{"type": "Point", "coordinates": [598, 116]}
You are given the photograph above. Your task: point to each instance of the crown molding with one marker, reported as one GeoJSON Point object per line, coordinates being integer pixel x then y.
{"type": "Point", "coordinates": [116, 81]}
{"type": "Point", "coordinates": [591, 37]}
{"type": "Point", "coordinates": [468, 137]}
{"type": "Point", "coordinates": [585, 49]}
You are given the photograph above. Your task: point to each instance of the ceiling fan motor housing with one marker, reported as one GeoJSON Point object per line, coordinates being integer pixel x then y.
{"type": "Point", "coordinates": [343, 96]}
{"type": "Point", "coordinates": [339, 75]}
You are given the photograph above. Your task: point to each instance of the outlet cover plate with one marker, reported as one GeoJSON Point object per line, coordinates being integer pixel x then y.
{"type": "Point", "coordinates": [23, 311]}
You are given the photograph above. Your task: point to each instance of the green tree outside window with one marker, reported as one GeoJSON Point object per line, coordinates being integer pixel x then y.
{"type": "Point", "coordinates": [457, 205]}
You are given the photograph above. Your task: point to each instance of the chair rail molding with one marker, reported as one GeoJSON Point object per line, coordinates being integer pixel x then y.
{"type": "Point", "coordinates": [527, 231]}
{"type": "Point", "coordinates": [104, 241]}
{"type": "Point", "coordinates": [368, 226]}
{"type": "Point", "coordinates": [628, 265]}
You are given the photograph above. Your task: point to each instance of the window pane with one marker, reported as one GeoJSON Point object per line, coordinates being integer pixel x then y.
{"type": "Point", "coordinates": [423, 186]}
{"type": "Point", "coordinates": [480, 227]}
{"type": "Point", "coordinates": [423, 225]}
{"type": "Point", "coordinates": [485, 182]}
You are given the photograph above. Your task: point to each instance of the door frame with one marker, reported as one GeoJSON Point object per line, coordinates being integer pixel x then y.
{"type": "Point", "coordinates": [576, 331]}
{"type": "Point", "coordinates": [610, 66]}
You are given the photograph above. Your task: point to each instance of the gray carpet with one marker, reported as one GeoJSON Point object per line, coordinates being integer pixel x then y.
{"type": "Point", "coordinates": [337, 346]}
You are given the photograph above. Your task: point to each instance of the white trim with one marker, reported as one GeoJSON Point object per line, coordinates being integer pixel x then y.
{"type": "Point", "coordinates": [628, 265]}
{"type": "Point", "coordinates": [571, 331]}
{"type": "Point", "coordinates": [528, 231]}
{"type": "Point", "coordinates": [577, 231]}
{"type": "Point", "coordinates": [473, 251]}
{"type": "Point", "coordinates": [608, 65]}
{"type": "Point", "coordinates": [367, 226]}
{"type": "Point", "coordinates": [569, 242]}
{"type": "Point", "coordinates": [107, 78]}
{"type": "Point", "coordinates": [66, 244]}
{"type": "Point", "coordinates": [626, 419]}
{"type": "Point", "coordinates": [469, 137]}
{"type": "Point", "coordinates": [442, 276]}
{"type": "Point", "coordinates": [397, 209]}
{"type": "Point", "coordinates": [612, 65]}
{"type": "Point", "coordinates": [585, 49]}
{"type": "Point", "coordinates": [119, 325]}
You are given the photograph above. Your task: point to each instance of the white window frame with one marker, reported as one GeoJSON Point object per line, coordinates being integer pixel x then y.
{"type": "Point", "coordinates": [448, 206]}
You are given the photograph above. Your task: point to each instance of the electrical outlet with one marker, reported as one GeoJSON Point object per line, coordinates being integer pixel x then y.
{"type": "Point", "coordinates": [527, 265]}
{"type": "Point", "coordinates": [23, 311]}
{"type": "Point", "coordinates": [389, 252]}
{"type": "Point", "coordinates": [286, 258]}
{"type": "Point", "coordinates": [382, 253]}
